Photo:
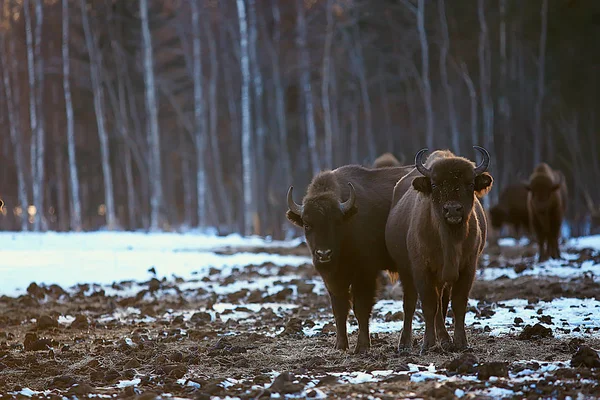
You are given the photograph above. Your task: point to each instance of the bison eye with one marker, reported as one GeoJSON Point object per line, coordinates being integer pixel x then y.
{"type": "Point", "coordinates": [471, 186]}
{"type": "Point", "coordinates": [306, 227]}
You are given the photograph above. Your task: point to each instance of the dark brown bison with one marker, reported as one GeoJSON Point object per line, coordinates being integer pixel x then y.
{"type": "Point", "coordinates": [343, 215]}
{"type": "Point", "coordinates": [547, 204]}
{"type": "Point", "coordinates": [387, 160]}
{"type": "Point", "coordinates": [435, 233]}
{"type": "Point", "coordinates": [511, 209]}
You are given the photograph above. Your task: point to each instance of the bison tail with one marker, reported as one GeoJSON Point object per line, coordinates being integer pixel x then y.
{"type": "Point", "coordinates": [394, 276]}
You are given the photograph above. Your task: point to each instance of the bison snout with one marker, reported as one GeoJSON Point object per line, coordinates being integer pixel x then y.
{"type": "Point", "coordinates": [453, 212]}
{"type": "Point", "coordinates": [323, 256]}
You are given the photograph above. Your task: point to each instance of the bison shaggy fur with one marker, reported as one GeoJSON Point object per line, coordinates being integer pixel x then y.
{"type": "Point", "coordinates": [435, 234]}
{"type": "Point", "coordinates": [343, 214]}
{"type": "Point", "coordinates": [511, 209]}
{"type": "Point", "coordinates": [386, 160]}
{"type": "Point", "coordinates": [547, 204]}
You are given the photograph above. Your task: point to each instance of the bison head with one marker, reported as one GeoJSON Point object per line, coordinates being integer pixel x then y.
{"type": "Point", "coordinates": [541, 188]}
{"type": "Point", "coordinates": [322, 216]}
{"type": "Point", "coordinates": [452, 184]}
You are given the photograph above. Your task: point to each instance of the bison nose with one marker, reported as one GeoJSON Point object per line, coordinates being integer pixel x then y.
{"type": "Point", "coordinates": [323, 255]}
{"type": "Point", "coordinates": [452, 209]}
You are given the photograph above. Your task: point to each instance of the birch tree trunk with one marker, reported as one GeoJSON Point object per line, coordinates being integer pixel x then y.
{"type": "Point", "coordinates": [156, 196]}
{"type": "Point", "coordinates": [73, 177]}
{"type": "Point", "coordinates": [33, 120]}
{"type": "Point", "coordinates": [503, 103]}
{"type": "Point", "coordinates": [15, 127]}
{"type": "Point", "coordinates": [305, 85]}
{"type": "Point", "coordinates": [95, 63]}
{"type": "Point", "coordinates": [40, 134]}
{"type": "Point", "coordinates": [364, 93]}
{"type": "Point", "coordinates": [249, 203]}
{"type": "Point", "coordinates": [199, 116]}
{"type": "Point", "coordinates": [537, 126]}
{"type": "Point", "coordinates": [425, 74]}
{"type": "Point", "coordinates": [473, 97]}
{"type": "Point", "coordinates": [444, 48]}
{"type": "Point", "coordinates": [325, 88]}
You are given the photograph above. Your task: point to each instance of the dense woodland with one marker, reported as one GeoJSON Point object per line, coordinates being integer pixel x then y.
{"type": "Point", "coordinates": [145, 114]}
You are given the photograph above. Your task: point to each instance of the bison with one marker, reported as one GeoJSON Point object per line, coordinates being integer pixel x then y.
{"type": "Point", "coordinates": [435, 233]}
{"type": "Point", "coordinates": [343, 214]}
{"type": "Point", "coordinates": [546, 204]}
{"type": "Point", "coordinates": [386, 160]}
{"type": "Point", "coordinates": [511, 209]}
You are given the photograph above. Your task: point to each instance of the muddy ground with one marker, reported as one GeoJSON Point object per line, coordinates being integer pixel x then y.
{"type": "Point", "coordinates": [227, 333]}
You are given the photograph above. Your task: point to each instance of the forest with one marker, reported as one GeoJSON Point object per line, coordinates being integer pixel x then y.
{"type": "Point", "coordinates": [180, 114]}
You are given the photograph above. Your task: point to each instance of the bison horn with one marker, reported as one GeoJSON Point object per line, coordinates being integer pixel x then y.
{"type": "Point", "coordinates": [485, 163]}
{"type": "Point", "coordinates": [419, 163]}
{"type": "Point", "coordinates": [292, 205]}
{"type": "Point", "coordinates": [348, 204]}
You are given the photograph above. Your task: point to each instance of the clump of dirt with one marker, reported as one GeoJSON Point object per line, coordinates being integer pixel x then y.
{"type": "Point", "coordinates": [495, 368]}
{"type": "Point", "coordinates": [293, 328]}
{"type": "Point", "coordinates": [586, 357]}
{"type": "Point", "coordinates": [466, 363]}
{"type": "Point", "coordinates": [537, 331]}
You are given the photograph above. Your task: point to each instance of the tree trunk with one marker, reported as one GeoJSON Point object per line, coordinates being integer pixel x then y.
{"type": "Point", "coordinates": [249, 201]}
{"type": "Point", "coordinates": [95, 64]}
{"type": "Point", "coordinates": [326, 102]}
{"type": "Point", "coordinates": [156, 196]}
{"type": "Point", "coordinates": [385, 105]}
{"type": "Point", "coordinates": [305, 85]}
{"type": "Point", "coordinates": [444, 48]}
{"type": "Point", "coordinates": [485, 88]}
{"type": "Point", "coordinates": [225, 205]}
{"type": "Point", "coordinates": [537, 126]}
{"type": "Point", "coordinates": [199, 116]}
{"type": "Point", "coordinates": [73, 177]}
{"type": "Point", "coordinates": [473, 97]}
{"type": "Point", "coordinates": [15, 128]}
{"type": "Point", "coordinates": [425, 74]}
{"type": "Point", "coordinates": [503, 103]}
{"type": "Point", "coordinates": [364, 93]}
{"type": "Point", "coordinates": [40, 135]}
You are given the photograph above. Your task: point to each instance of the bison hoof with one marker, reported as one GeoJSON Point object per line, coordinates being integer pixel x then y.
{"type": "Point", "coordinates": [341, 344]}
{"type": "Point", "coordinates": [447, 345]}
{"type": "Point", "coordinates": [460, 342]}
{"type": "Point", "coordinates": [360, 349]}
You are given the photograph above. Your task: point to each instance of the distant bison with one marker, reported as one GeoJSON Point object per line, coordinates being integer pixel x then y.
{"type": "Point", "coordinates": [435, 233]}
{"type": "Point", "coordinates": [343, 215]}
{"type": "Point", "coordinates": [547, 204]}
{"type": "Point", "coordinates": [386, 160]}
{"type": "Point", "coordinates": [511, 209]}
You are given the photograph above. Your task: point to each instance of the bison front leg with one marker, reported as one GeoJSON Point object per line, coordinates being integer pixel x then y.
{"type": "Point", "coordinates": [442, 333]}
{"type": "Point", "coordinates": [430, 301]}
{"type": "Point", "coordinates": [409, 300]}
{"type": "Point", "coordinates": [363, 301]}
{"type": "Point", "coordinates": [460, 298]}
{"type": "Point", "coordinates": [340, 303]}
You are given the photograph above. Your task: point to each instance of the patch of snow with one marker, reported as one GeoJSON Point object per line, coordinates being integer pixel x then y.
{"type": "Point", "coordinates": [66, 319]}
{"type": "Point", "coordinates": [558, 268]}
{"type": "Point", "coordinates": [127, 383]}
{"type": "Point", "coordinates": [586, 241]}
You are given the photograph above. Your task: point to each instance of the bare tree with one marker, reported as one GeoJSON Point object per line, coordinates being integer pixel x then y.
{"type": "Point", "coordinates": [473, 97]}
{"type": "Point", "coordinates": [305, 85]}
{"type": "Point", "coordinates": [537, 125]}
{"type": "Point", "coordinates": [485, 87]}
{"type": "Point", "coordinates": [199, 115]}
{"type": "Point", "coordinates": [95, 65]}
{"type": "Point", "coordinates": [14, 127]}
{"type": "Point", "coordinates": [503, 103]}
{"type": "Point", "coordinates": [425, 82]}
{"type": "Point", "coordinates": [249, 202]}
{"type": "Point", "coordinates": [444, 48]}
{"type": "Point", "coordinates": [325, 100]}
{"type": "Point", "coordinates": [74, 179]}
{"type": "Point", "coordinates": [156, 197]}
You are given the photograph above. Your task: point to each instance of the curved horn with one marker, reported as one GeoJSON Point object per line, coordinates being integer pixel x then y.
{"type": "Point", "coordinates": [485, 163]}
{"type": "Point", "coordinates": [419, 163]}
{"type": "Point", "coordinates": [348, 204]}
{"type": "Point", "coordinates": [292, 205]}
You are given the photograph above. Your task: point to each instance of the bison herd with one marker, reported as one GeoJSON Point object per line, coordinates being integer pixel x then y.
{"type": "Point", "coordinates": [425, 225]}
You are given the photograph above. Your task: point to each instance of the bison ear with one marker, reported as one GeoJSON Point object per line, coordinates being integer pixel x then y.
{"type": "Point", "coordinates": [294, 218]}
{"type": "Point", "coordinates": [422, 184]}
{"type": "Point", "coordinates": [483, 184]}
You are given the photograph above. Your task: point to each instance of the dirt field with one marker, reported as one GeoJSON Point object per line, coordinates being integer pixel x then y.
{"type": "Point", "coordinates": [261, 331]}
